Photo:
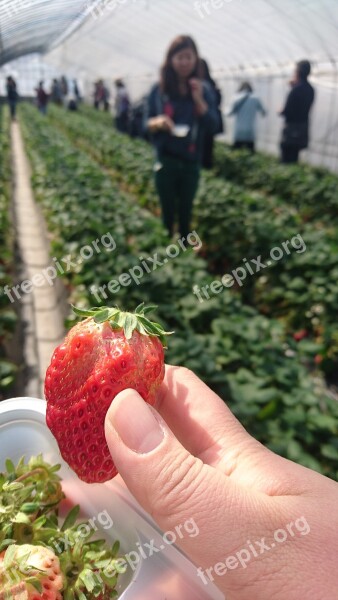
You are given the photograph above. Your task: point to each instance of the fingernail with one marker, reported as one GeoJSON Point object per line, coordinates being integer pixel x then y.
{"type": "Point", "coordinates": [135, 423]}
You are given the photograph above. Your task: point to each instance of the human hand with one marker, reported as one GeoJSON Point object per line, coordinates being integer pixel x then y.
{"type": "Point", "coordinates": [191, 459]}
{"type": "Point", "coordinates": [161, 123]}
{"type": "Point", "coordinates": [196, 87]}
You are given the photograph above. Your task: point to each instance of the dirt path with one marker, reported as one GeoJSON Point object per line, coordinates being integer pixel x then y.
{"type": "Point", "coordinates": [41, 304]}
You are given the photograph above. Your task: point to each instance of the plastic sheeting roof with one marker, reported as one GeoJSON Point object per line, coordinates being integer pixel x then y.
{"type": "Point", "coordinates": [28, 26]}
{"type": "Point", "coordinates": [129, 37]}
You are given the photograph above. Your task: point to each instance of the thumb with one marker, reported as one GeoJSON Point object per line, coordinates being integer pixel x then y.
{"type": "Point", "coordinates": [173, 485]}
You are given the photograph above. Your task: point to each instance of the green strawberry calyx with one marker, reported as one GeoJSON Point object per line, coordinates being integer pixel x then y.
{"type": "Point", "coordinates": [90, 567]}
{"type": "Point", "coordinates": [129, 322]}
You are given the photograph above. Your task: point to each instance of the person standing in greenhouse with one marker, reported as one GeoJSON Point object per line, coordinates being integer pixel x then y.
{"type": "Point", "coordinates": [295, 136]}
{"type": "Point", "coordinates": [208, 146]}
{"type": "Point", "coordinates": [122, 107]}
{"type": "Point", "coordinates": [56, 92]}
{"type": "Point", "coordinates": [12, 95]}
{"type": "Point", "coordinates": [180, 111]}
{"type": "Point", "coordinates": [245, 107]}
{"type": "Point", "coordinates": [42, 99]}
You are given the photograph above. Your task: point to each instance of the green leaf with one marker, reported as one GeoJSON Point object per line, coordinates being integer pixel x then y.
{"type": "Point", "coordinates": [5, 543]}
{"type": "Point", "coordinates": [115, 548]}
{"type": "Point", "coordinates": [329, 452]}
{"type": "Point", "coordinates": [9, 556]}
{"type": "Point", "coordinates": [36, 583]}
{"type": "Point", "coordinates": [324, 422]}
{"type": "Point", "coordinates": [102, 316]}
{"type": "Point", "coordinates": [81, 312]}
{"type": "Point", "coordinates": [10, 466]}
{"type": "Point", "coordinates": [130, 324]}
{"type": "Point", "coordinates": [70, 519]}
{"type": "Point", "coordinates": [21, 517]}
{"type": "Point", "coordinates": [150, 308]}
{"type": "Point", "coordinates": [139, 308]}
{"type": "Point", "coordinates": [268, 410]}
{"type": "Point", "coordinates": [90, 581]}
{"type": "Point", "coordinates": [40, 522]}
{"type": "Point", "coordinates": [13, 486]}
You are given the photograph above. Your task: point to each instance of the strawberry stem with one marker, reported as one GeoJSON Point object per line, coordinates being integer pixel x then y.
{"type": "Point", "coordinates": [129, 322]}
{"type": "Point", "coordinates": [36, 471]}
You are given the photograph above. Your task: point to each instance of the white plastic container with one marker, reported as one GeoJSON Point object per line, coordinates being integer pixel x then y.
{"type": "Point", "coordinates": [166, 574]}
{"type": "Point", "coordinates": [181, 130]}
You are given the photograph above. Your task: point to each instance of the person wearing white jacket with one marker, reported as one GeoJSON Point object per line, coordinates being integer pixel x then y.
{"type": "Point", "coordinates": [245, 107]}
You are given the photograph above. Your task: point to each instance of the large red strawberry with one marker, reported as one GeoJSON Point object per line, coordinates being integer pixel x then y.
{"type": "Point", "coordinates": [108, 352]}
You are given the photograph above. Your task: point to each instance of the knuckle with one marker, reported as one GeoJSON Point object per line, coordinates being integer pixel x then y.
{"type": "Point", "coordinates": [177, 487]}
{"type": "Point", "coordinates": [186, 374]}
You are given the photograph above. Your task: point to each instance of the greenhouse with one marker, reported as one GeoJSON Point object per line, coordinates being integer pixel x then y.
{"type": "Point", "coordinates": [168, 299]}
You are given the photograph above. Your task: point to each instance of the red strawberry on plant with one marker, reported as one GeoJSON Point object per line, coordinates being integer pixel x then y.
{"type": "Point", "coordinates": [319, 359]}
{"type": "Point", "coordinates": [300, 335]}
{"type": "Point", "coordinates": [106, 353]}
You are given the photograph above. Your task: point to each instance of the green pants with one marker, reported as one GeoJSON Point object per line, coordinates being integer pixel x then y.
{"type": "Point", "coordinates": [177, 183]}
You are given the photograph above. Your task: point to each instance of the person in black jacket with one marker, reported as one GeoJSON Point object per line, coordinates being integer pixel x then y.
{"type": "Point", "coordinates": [295, 136]}
{"type": "Point", "coordinates": [208, 146]}
{"type": "Point", "coordinates": [12, 95]}
{"type": "Point", "coordinates": [180, 111]}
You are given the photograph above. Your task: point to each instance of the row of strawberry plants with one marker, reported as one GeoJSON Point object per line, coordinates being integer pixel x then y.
{"type": "Point", "coordinates": [235, 224]}
{"type": "Point", "coordinates": [241, 354]}
{"type": "Point", "coordinates": [7, 314]}
{"type": "Point", "coordinates": [113, 150]}
{"type": "Point", "coordinates": [312, 190]}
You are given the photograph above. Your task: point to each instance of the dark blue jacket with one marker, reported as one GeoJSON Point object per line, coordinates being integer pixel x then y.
{"type": "Point", "coordinates": [12, 93]}
{"type": "Point", "coordinates": [182, 111]}
{"type": "Point", "coordinates": [299, 103]}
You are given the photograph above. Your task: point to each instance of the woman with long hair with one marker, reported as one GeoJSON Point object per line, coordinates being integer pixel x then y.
{"type": "Point", "coordinates": [180, 112]}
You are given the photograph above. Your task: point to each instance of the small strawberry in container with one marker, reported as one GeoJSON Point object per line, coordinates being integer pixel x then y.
{"type": "Point", "coordinates": [30, 573]}
{"type": "Point", "coordinates": [108, 352]}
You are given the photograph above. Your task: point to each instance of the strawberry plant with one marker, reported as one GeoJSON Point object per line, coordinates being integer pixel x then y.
{"type": "Point", "coordinates": [113, 150]}
{"type": "Point", "coordinates": [311, 190]}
